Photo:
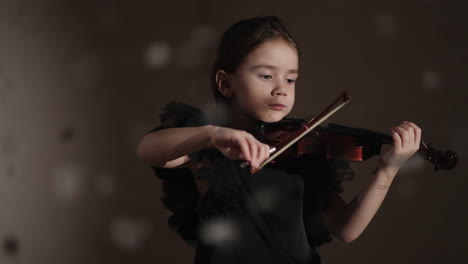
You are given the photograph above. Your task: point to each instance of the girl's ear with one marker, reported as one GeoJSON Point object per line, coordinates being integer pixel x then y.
{"type": "Point", "coordinates": [223, 83]}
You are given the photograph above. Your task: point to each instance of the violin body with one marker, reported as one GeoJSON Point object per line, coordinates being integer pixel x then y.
{"type": "Point", "coordinates": [339, 142]}
{"type": "Point", "coordinates": [294, 137]}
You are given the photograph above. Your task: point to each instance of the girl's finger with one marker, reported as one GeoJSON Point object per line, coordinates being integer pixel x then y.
{"type": "Point", "coordinates": [418, 136]}
{"type": "Point", "coordinates": [417, 133]}
{"type": "Point", "coordinates": [264, 152]}
{"type": "Point", "coordinates": [253, 149]}
{"type": "Point", "coordinates": [240, 156]}
{"type": "Point", "coordinates": [413, 136]}
{"type": "Point", "coordinates": [244, 146]}
{"type": "Point", "coordinates": [259, 155]}
{"type": "Point", "coordinates": [411, 133]}
{"type": "Point", "coordinates": [403, 133]}
{"type": "Point", "coordinates": [397, 142]}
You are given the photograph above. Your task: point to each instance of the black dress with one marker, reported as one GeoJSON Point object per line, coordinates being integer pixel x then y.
{"type": "Point", "coordinates": [272, 216]}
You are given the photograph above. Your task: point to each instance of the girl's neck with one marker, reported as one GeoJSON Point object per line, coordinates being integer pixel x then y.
{"type": "Point", "coordinates": [242, 121]}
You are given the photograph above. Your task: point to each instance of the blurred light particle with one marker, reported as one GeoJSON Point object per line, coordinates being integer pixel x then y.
{"type": "Point", "coordinates": [157, 55]}
{"type": "Point", "coordinates": [220, 231]}
{"type": "Point", "coordinates": [128, 233]}
{"type": "Point", "coordinates": [339, 3]}
{"type": "Point", "coordinates": [67, 135]}
{"type": "Point", "coordinates": [203, 35]}
{"type": "Point", "coordinates": [266, 198]}
{"type": "Point", "coordinates": [87, 70]}
{"type": "Point", "coordinates": [405, 187]}
{"type": "Point", "coordinates": [216, 112]}
{"type": "Point", "coordinates": [105, 184]}
{"type": "Point", "coordinates": [416, 162]}
{"type": "Point", "coordinates": [11, 246]}
{"type": "Point", "coordinates": [68, 181]}
{"type": "Point", "coordinates": [191, 53]}
{"type": "Point", "coordinates": [386, 25]}
{"type": "Point", "coordinates": [431, 80]}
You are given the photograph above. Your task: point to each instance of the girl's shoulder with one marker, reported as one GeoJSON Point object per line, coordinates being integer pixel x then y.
{"type": "Point", "coordinates": [179, 114]}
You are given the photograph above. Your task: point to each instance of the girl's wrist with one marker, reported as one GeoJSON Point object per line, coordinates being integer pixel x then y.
{"type": "Point", "coordinates": [388, 171]}
{"type": "Point", "coordinates": [211, 132]}
{"type": "Point", "coordinates": [387, 168]}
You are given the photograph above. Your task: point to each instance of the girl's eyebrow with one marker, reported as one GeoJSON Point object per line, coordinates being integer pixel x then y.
{"type": "Point", "coordinates": [271, 67]}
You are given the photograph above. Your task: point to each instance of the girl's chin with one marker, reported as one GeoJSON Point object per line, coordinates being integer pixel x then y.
{"type": "Point", "coordinates": [272, 119]}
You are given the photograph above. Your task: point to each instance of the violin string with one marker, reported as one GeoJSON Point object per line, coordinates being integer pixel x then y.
{"type": "Point", "coordinates": [352, 126]}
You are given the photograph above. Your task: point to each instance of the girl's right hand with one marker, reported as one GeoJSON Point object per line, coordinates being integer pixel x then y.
{"type": "Point", "coordinates": [239, 145]}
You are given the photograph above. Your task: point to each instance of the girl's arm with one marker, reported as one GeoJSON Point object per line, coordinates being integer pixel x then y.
{"type": "Point", "coordinates": [347, 221]}
{"type": "Point", "coordinates": [170, 147]}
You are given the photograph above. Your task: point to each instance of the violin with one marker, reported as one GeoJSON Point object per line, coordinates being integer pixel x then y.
{"type": "Point", "coordinates": [294, 137]}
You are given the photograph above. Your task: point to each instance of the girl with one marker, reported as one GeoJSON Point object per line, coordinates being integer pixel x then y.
{"type": "Point", "coordinates": [282, 213]}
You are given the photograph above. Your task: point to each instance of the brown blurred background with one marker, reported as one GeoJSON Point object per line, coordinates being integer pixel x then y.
{"type": "Point", "coordinates": [82, 81]}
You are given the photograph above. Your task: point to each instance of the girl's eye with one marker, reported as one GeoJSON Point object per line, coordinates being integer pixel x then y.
{"type": "Point", "coordinates": [266, 77]}
{"type": "Point", "coordinates": [291, 81]}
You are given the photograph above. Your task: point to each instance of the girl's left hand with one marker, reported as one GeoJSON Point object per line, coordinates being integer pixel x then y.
{"type": "Point", "coordinates": [406, 141]}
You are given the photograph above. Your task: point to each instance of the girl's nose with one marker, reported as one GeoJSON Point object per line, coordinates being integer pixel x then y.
{"type": "Point", "coordinates": [279, 90]}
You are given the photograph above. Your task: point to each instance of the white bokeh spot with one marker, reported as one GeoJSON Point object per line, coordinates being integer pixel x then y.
{"type": "Point", "coordinates": [129, 234]}
{"type": "Point", "coordinates": [217, 113]}
{"type": "Point", "coordinates": [68, 181]}
{"type": "Point", "coordinates": [431, 80]}
{"type": "Point", "coordinates": [203, 35]}
{"type": "Point", "coordinates": [191, 53]}
{"type": "Point", "coordinates": [386, 25]}
{"type": "Point", "coordinates": [218, 231]}
{"type": "Point", "coordinates": [416, 162]}
{"type": "Point", "coordinates": [105, 184]}
{"type": "Point", "coordinates": [339, 3]}
{"type": "Point", "coordinates": [157, 55]}
{"type": "Point", "coordinates": [266, 198]}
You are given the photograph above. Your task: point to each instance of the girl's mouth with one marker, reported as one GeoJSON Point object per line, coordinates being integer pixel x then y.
{"type": "Point", "coordinates": [277, 106]}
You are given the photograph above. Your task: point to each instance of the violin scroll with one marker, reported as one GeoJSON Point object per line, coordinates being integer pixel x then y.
{"type": "Point", "coordinates": [442, 160]}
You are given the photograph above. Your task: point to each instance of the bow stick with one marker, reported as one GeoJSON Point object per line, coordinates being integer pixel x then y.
{"type": "Point", "coordinates": [279, 148]}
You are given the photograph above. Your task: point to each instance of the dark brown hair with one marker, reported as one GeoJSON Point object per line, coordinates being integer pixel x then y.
{"type": "Point", "coordinates": [240, 39]}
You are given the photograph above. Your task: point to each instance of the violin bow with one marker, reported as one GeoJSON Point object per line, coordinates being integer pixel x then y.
{"type": "Point", "coordinates": [279, 148]}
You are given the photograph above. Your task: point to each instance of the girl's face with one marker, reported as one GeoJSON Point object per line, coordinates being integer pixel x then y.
{"type": "Point", "coordinates": [263, 86]}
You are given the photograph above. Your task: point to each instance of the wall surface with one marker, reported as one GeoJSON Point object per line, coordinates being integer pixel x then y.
{"type": "Point", "coordinates": [82, 81]}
